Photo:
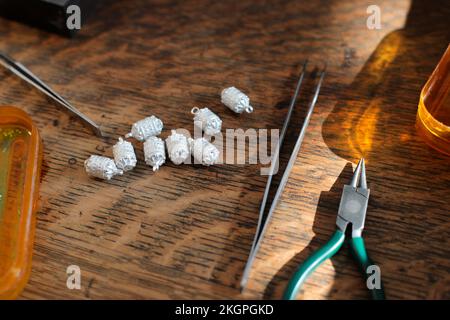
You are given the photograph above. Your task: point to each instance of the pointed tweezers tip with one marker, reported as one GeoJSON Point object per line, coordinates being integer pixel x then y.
{"type": "Point", "coordinates": [99, 132]}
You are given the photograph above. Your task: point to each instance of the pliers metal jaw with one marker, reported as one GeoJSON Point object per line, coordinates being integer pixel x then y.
{"type": "Point", "coordinates": [354, 200]}
{"type": "Point", "coordinates": [352, 211]}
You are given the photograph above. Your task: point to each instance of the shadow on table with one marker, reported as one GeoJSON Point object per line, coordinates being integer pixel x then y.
{"type": "Point", "coordinates": [375, 116]}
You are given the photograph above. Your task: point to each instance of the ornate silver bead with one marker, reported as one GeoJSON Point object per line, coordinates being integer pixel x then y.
{"type": "Point", "coordinates": [154, 152]}
{"type": "Point", "coordinates": [204, 152]}
{"type": "Point", "coordinates": [236, 100]}
{"type": "Point", "coordinates": [207, 120]}
{"type": "Point", "coordinates": [101, 167]}
{"type": "Point", "coordinates": [178, 148]}
{"type": "Point", "coordinates": [146, 128]}
{"type": "Point", "coordinates": [124, 155]}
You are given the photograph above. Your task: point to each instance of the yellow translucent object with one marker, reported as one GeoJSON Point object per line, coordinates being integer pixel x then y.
{"type": "Point", "coordinates": [20, 166]}
{"type": "Point", "coordinates": [433, 116]}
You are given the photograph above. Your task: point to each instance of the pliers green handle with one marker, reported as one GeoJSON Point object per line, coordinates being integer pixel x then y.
{"type": "Point", "coordinates": [352, 210]}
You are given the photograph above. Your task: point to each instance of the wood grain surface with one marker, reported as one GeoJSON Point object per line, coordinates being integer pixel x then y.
{"type": "Point", "coordinates": [185, 232]}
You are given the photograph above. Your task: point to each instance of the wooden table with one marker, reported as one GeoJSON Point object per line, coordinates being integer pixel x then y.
{"type": "Point", "coordinates": [186, 231]}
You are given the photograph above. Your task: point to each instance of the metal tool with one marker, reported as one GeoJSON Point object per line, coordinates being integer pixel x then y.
{"type": "Point", "coordinates": [263, 219]}
{"type": "Point", "coordinates": [22, 72]}
{"type": "Point", "coordinates": [352, 211]}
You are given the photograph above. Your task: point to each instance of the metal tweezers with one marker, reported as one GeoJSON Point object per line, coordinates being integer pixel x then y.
{"type": "Point", "coordinates": [22, 72]}
{"type": "Point", "coordinates": [264, 219]}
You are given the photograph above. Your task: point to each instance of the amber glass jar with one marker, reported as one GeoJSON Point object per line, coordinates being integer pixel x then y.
{"type": "Point", "coordinates": [433, 116]}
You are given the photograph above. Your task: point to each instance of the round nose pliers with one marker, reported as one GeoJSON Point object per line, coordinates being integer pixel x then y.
{"type": "Point", "coordinates": [352, 211]}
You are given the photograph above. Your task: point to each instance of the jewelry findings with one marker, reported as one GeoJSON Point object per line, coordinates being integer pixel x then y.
{"type": "Point", "coordinates": [146, 128]}
{"type": "Point", "coordinates": [101, 167]}
{"type": "Point", "coordinates": [207, 120]}
{"type": "Point", "coordinates": [178, 148]}
{"type": "Point", "coordinates": [124, 155]}
{"type": "Point", "coordinates": [236, 100]}
{"type": "Point", "coordinates": [154, 152]}
{"type": "Point", "coordinates": [204, 152]}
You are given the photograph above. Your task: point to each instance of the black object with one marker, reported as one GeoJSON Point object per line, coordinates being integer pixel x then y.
{"type": "Point", "coordinates": [49, 14]}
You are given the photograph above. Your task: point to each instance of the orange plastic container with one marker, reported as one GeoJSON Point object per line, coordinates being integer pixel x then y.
{"type": "Point", "coordinates": [20, 167]}
{"type": "Point", "coordinates": [433, 115]}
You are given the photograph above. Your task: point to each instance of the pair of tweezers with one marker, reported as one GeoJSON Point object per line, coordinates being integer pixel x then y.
{"type": "Point", "coordinates": [22, 72]}
{"type": "Point", "coordinates": [264, 219]}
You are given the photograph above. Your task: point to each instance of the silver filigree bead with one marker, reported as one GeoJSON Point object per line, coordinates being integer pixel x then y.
{"type": "Point", "coordinates": [236, 100]}
{"type": "Point", "coordinates": [101, 167]}
{"type": "Point", "coordinates": [146, 128]}
{"type": "Point", "coordinates": [178, 148]}
{"type": "Point", "coordinates": [207, 120]}
{"type": "Point", "coordinates": [124, 155]}
{"type": "Point", "coordinates": [204, 152]}
{"type": "Point", "coordinates": [154, 152]}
